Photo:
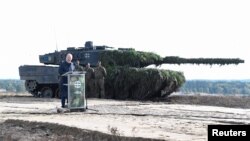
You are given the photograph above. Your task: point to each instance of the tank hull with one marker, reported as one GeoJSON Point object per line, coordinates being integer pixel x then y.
{"type": "Point", "coordinates": [40, 81]}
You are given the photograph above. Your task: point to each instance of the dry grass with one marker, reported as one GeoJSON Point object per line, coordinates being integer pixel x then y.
{"type": "Point", "coordinates": [114, 131]}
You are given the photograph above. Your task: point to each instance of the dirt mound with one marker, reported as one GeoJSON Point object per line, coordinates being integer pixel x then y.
{"type": "Point", "coordinates": [19, 130]}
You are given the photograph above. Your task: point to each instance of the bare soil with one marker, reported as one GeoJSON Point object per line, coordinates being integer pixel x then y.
{"type": "Point", "coordinates": [211, 100]}
{"type": "Point", "coordinates": [179, 118]}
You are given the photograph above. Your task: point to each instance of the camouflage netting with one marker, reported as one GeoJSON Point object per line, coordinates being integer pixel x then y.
{"type": "Point", "coordinates": [141, 83]}
{"type": "Point", "coordinates": [134, 58]}
{"type": "Point", "coordinates": [205, 61]}
{"type": "Point", "coordinates": [126, 82]}
{"type": "Point", "coordinates": [129, 58]}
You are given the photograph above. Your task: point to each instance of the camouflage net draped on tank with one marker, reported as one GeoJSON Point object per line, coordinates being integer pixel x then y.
{"type": "Point", "coordinates": [198, 61]}
{"type": "Point", "coordinates": [129, 58]}
{"type": "Point", "coordinates": [141, 83]}
{"type": "Point", "coordinates": [142, 59]}
{"type": "Point", "coordinates": [125, 82]}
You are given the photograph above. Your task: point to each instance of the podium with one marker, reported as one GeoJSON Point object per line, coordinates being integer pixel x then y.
{"type": "Point", "coordinates": [76, 91]}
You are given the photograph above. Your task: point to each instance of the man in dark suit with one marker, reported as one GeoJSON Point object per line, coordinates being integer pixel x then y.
{"type": "Point", "coordinates": [65, 67]}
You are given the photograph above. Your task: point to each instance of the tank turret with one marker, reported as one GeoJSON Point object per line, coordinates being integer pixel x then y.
{"type": "Point", "coordinates": [127, 76]}
{"type": "Point", "coordinates": [126, 57]}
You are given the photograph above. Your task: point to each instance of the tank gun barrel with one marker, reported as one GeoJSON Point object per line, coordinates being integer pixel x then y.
{"type": "Point", "coordinates": [198, 61]}
{"type": "Point", "coordinates": [143, 59]}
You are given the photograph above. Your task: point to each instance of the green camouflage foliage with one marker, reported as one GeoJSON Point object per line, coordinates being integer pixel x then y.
{"type": "Point", "coordinates": [198, 61]}
{"type": "Point", "coordinates": [127, 79]}
{"type": "Point", "coordinates": [129, 58]}
{"type": "Point", "coordinates": [141, 83]}
{"type": "Point", "coordinates": [142, 59]}
{"type": "Point", "coordinates": [124, 81]}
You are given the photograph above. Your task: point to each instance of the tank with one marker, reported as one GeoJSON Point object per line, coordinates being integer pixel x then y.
{"type": "Point", "coordinates": [128, 76]}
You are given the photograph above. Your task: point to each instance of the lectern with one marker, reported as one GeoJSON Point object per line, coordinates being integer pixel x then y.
{"type": "Point", "coordinates": [76, 91]}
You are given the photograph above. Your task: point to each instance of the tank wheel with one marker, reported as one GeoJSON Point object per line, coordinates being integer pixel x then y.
{"type": "Point", "coordinates": [46, 92]}
{"type": "Point", "coordinates": [30, 85]}
{"type": "Point", "coordinates": [57, 93]}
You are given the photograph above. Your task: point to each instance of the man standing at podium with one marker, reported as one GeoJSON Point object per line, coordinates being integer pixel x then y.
{"type": "Point", "coordinates": [66, 66]}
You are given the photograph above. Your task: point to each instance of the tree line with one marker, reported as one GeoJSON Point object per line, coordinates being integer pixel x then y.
{"type": "Point", "coordinates": [12, 85]}
{"type": "Point", "coordinates": [216, 87]}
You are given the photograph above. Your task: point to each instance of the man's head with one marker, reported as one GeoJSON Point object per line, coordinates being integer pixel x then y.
{"type": "Point", "coordinates": [99, 63]}
{"type": "Point", "coordinates": [88, 65]}
{"type": "Point", "coordinates": [77, 62]}
{"type": "Point", "coordinates": [69, 57]}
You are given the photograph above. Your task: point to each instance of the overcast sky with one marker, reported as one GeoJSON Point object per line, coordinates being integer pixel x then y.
{"type": "Point", "coordinates": [185, 28]}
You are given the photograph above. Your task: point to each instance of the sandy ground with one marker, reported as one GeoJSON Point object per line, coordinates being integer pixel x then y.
{"type": "Point", "coordinates": [157, 120]}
